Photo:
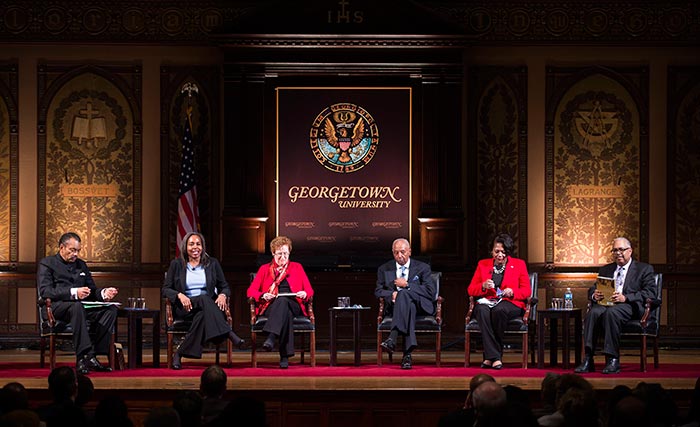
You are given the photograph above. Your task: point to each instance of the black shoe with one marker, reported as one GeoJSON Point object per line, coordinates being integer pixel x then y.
{"type": "Point", "coordinates": [94, 365]}
{"type": "Point", "coordinates": [406, 361]}
{"type": "Point", "coordinates": [485, 365]}
{"type": "Point", "coordinates": [284, 363]}
{"type": "Point", "coordinates": [388, 345]}
{"type": "Point", "coordinates": [81, 366]}
{"type": "Point", "coordinates": [269, 344]}
{"type": "Point", "coordinates": [237, 341]}
{"type": "Point", "coordinates": [613, 366]}
{"type": "Point", "coordinates": [497, 366]}
{"type": "Point", "coordinates": [176, 363]}
{"type": "Point", "coordinates": [586, 366]}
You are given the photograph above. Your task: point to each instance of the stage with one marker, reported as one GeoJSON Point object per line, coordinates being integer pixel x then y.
{"type": "Point", "coordinates": [346, 394]}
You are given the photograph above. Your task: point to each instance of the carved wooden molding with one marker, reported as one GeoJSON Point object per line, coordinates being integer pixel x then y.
{"type": "Point", "coordinates": [9, 189]}
{"type": "Point", "coordinates": [465, 23]}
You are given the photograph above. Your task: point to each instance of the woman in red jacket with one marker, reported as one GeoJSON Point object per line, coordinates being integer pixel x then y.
{"type": "Point", "coordinates": [281, 287]}
{"type": "Point", "coordinates": [501, 285]}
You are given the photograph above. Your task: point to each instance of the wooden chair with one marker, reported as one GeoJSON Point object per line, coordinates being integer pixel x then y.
{"type": "Point", "coordinates": [52, 329]}
{"type": "Point", "coordinates": [518, 326]}
{"type": "Point", "coordinates": [180, 327]}
{"type": "Point", "coordinates": [425, 324]}
{"type": "Point", "coordinates": [647, 327]}
{"type": "Point", "coordinates": [302, 326]}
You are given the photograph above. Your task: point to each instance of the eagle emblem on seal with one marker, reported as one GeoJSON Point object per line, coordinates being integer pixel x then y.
{"type": "Point", "coordinates": [344, 137]}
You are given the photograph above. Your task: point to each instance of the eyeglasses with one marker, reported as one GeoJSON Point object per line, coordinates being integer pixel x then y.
{"type": "Point", "coordinates": [284, 254]}
{"type": "Point", "coordinates": [618, 250]}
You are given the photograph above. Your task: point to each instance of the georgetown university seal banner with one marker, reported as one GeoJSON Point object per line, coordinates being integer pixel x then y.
{"type": "Point", "coordinates": [343, 168]}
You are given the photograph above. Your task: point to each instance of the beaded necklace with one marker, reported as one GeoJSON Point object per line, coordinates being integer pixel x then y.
{"type": "Point", "coordinates": [499, 270]}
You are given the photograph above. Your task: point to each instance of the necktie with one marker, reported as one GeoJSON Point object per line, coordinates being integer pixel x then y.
{"type": "Point", "coordinates": [403, 271]}
{"type": "Point", "coordinates": [619, 282]}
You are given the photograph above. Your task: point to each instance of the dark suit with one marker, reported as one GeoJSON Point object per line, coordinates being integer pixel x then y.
{"type": "Point", "coordinates": [208, 321]}
{"type": "Point", "coordinates": [55, 278]}
{"type": "Point", "coordinates": [418, 297]}
{"type": "Point", "coordinates": [639, 285]}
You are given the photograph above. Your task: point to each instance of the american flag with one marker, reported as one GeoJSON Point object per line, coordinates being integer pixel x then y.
{"type": "Point", "coordinates": [187, 210]}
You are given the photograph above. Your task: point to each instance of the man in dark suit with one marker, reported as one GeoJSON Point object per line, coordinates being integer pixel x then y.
{"type": "Point", "coordinates": [634, 283]}
{"type": "Point", "coordinates": [407, 287]}
{"type": "Point", "coordinates": [66, 280]}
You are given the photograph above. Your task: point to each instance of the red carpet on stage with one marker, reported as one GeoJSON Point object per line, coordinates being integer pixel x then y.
{"type": "Point", "coordinates": [194, 369]}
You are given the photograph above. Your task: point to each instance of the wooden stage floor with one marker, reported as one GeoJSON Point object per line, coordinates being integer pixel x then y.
{"type": "Point", "coordinates": [170, 380]}
{"type": "Point", "coordinates": [388, 396]}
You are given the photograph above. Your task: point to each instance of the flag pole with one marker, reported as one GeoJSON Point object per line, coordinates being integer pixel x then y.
{"type": "Point", "coordinates": [187, 205]}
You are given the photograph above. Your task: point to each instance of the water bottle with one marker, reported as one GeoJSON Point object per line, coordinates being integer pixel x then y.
{"type": "Point", "coordinates": [568, 300]}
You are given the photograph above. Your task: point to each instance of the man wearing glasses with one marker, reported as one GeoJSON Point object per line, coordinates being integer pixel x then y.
{"type": "Point", "coordinates": [66, 280]}
{"type": "Point", "coordinates": [634, 283]}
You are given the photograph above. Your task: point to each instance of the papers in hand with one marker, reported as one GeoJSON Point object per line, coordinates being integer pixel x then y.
{"type": "Point", "coordinates": [489, 302]}
{"type": "Point", "coordinates": [95, 304]}
{"type": "Point", "coordinates": [287, 294]}
{"type": "Point", "coordinates": [607, 286]}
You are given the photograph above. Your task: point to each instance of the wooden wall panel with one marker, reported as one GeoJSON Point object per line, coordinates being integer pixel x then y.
{"type": "Point", "coordinates": [597, 170]}
{"type": "Point", "coordinates": [89, 135]}
{"type": "Point", "coordinates": [346, 417]}
{"type": "Point", "coordinates": [683, 163]}
{"type": "Point", "coordinates": [244, 240]}
{"type": "Point", "coordinates": [497, 158]}
{"type": "Point", "coordinates": [442, 239]}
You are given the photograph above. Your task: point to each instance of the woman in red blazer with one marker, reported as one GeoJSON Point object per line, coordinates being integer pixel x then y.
{"type": "Point", "coordinates": [501, 285]}
{"type": "Point", "coordinates": [281, 287]}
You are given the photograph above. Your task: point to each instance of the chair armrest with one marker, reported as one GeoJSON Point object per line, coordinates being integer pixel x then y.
{"type": "Point", "coordinates": [310, 310]}
{"type": "Point", "coordinates": [438, 310]}
{"type": "Point", "coordinates": [253, 305]}
{"type": "Point", "coordinates": [649, 305]}
{"type": "Point", "coordinates": [380, 313]}
{"type": "Point", "coordinates": [470, 309]}
{"type": "Point", "coordinates": [227, 311]}
{"type": "Point", "coordinates": [168, 313]}
{"type": "Point", "coordinates": [46, 302]}
{"type": "Point", "coordinates": [528, 306]}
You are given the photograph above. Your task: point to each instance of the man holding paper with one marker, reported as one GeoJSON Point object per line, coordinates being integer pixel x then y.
{"type": "Point", "coordinates": [634, 283]}
{"type": "Point", "coordinates": [66, 280]}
